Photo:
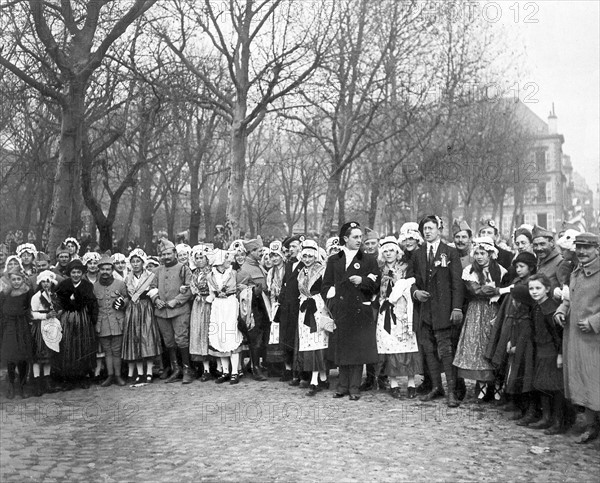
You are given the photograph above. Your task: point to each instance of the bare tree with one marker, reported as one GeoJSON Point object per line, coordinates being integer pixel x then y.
{"type": "Point", "coordinates": [75, 38]}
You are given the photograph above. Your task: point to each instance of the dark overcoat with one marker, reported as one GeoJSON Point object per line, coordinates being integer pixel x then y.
{"type": "Point", "coordinates": [289, 307]}
{"type": "Point", "coordinates": [445, 285]}
{"type": "Point", "coordinates": [354, 339]}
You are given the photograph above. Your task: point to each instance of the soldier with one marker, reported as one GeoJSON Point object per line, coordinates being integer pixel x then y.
{"type": "Point", "coordinates": [170, 293]}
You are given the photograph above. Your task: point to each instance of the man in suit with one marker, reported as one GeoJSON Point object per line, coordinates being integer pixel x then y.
{"type": "Point", "coordinates": [289, 309]}
{"type": "Point", "coordinates": [438, 292]}
{"type": "Point", "coordinates": [351, 279]}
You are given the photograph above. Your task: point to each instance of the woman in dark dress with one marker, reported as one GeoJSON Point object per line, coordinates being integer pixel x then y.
{"type": "Point", "coordinates": [16, 347]}
{"type": "Point", "coordinates": [78, 346]}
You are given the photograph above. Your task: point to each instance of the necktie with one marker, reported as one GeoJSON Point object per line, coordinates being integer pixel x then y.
{"type": "Point", "coordinates": [430, 256]}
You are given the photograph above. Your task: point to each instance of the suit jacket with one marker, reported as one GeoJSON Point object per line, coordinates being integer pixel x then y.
{"type": "Point", "coordinates": [354, 339]}
{"type": "Point", "coordinates": [445, 285]}
{"type": "Point", "coordinates": [289, 304]}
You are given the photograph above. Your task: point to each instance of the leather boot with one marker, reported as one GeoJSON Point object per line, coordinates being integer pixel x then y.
{"type": "Point", "coordinates": [175, 374]}
{"type": "Point", "coordinates": [188, 375]}
{"type": "Point", "coordinates": [529, 417]}
{"type": "Point", "coordinates": [451, 400]}
{"type": "Point", "coordinates": [461, 389]}
{"type": "Point", "coordinates": [546, 420]}
{"type": "Point", "coordinates": [37, 389]}
{"type": "Point", "coordinates": [20, 390]}
{"type": "Point", "coordinates": [108, 381]}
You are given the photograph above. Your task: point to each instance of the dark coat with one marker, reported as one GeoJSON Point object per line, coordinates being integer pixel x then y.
{"type": "Point", "coordinates": [289, 307]}
{"type": "Point", "coordinates": [505, 257]}
{"type": "Point", "coordinates": [445, 285]}
{"type": "Point", "coordinates": [83, 298]}
{"type": "Point", "coordinates": [354, 339]}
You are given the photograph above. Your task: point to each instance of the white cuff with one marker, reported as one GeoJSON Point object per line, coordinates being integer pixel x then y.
{"type": "Point", "coordinates": [331, 292]}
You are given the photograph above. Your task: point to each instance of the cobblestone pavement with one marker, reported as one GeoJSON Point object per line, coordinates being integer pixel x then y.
{"type": "Point", "coordinates": [268, 431]}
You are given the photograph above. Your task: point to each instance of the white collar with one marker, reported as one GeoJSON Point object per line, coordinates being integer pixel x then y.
{"type": "Point", "coordinates": [435, 245]}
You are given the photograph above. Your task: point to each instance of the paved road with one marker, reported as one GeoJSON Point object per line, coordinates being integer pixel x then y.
{"type": "Point", "coordinates": [271, 432]}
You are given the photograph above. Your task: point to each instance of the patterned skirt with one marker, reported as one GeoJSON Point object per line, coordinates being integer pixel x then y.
{"type": "Point", "coordinates": [78, 346]}
{"type": "Point", "coordinates": [199, 327]}
{"type": "Point", "coordinates": [41, 352]}
{"type": "Point", "coordinates": [474, 337]}
{"type": "Point", "coordinates": [141, 337]}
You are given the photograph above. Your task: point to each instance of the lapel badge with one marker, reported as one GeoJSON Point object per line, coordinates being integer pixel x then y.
{"type": "Point", "coordinates": [357, 265]}
{"type": "Point", "coordinates": [444, 260]}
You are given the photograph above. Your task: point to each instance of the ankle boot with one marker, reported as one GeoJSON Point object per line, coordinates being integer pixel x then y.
{"type": "Point", "coordinates": [188, 375]}
{"type": "Point", "coordinates": [529, 416]}
{"type": "Point", "coordinates": [175, 374]}
{"type": "Point", "coordinates": [546, 420]}
{"type": "Point", "coordinates": [37, 388]}
{"type": "Point", "coordinates": [451, 400]}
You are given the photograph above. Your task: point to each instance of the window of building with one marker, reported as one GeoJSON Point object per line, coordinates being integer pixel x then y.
{"type": "Point", "coordinates": [540, 161]}
{"type": "Point", "coordinates": [542, 220]}
{"type": "Point", "coordinates": [541, 192]}
{"type": "Point", "coordinates": [549, 192]}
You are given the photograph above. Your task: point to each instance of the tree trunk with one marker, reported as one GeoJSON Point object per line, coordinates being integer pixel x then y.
{"type": "Point", "coordinates": [106, 236]}
{"type": "Point", "coordinates": [196, 213]}
{"type": "Point", "coordinates": [66, 180]}
{"type": "Point", "coordinates": [28, 207]}
{"type": "Point", "coordinates": [331, 197]}
{"type": "Point", "coordinates": [146, 212]}
{"type": "Point", "coordinates": [375, 193]}
{"type": "Point", "coordinates": [235, 188]}
{"type": "Point", "coordinates": [131, 216]}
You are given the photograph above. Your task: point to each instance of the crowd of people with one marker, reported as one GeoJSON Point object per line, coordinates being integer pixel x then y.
{"type": "Point", "coordinates": [523, 324]}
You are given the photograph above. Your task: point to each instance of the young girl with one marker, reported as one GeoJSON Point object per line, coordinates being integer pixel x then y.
{"type": "Point", "coordinates": [224, 337]}
{"type": "Point", "coordinates": [548, 378]}
{"type": "Point", "coordinates": [512, 354]}
{"type": "Point", "coordinates": [200, 316]}
{"type": "Point", "coordinates": [15, 335]}
{"type": "Point", "coordinates": [482, 280]}
{"type": "Point", "coordinates": [396, 341]}
{"type": "Point", "coordinates": [141, 337]}
{"type": "Point", "coordinates": [313, 339]}
{"type": "Point", "coordinates": [45, 313]}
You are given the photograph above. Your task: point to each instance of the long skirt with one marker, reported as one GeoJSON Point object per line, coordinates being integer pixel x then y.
{"type": "Point", "coordinates": [548, 377]}
{"type": "Point", "coordinates": [16, 344]}
{"type": "Point", "coordinates": [199, 327]}
{"type": "Point", "coordinates": [314, 360]}
{"type": "Point", "coordinates": [141, 337]}
{"type": "Point", "coordinates": [78, 345]}
{"type": "Point", "coordinates": [224, 338]}
{"type": "Point", "coordinates": [470, 352]}
{"type": "Point", "coordinates": [400, 365]}
{"type": "Point", "coordinates": [41, 352]}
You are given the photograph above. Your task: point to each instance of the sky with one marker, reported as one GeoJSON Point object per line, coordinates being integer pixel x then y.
{"type": "Point", "coordinates": [562, 59]}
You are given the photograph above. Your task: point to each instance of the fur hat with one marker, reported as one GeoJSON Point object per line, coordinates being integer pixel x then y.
{"type": "Point", "coordinates": [527, 258]}
{"type": "Point", "coordinates": [344, 229]}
